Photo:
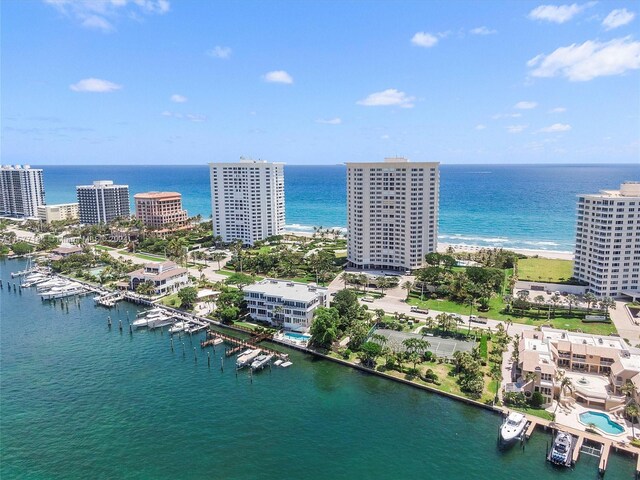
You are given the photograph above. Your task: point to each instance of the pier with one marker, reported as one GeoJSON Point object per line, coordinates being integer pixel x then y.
{"type": "Point", "coordinates": [597, 445]}
{"type": "Point", "coordinates": [240, 345]}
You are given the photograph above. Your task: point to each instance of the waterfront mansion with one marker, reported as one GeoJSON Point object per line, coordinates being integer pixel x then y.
{"type": "Point", "coordinates": [165, 276]}
{"type": "Point", "coordinates": [285, 304]}
{"type": "Point", "coordinates": [598, 367]}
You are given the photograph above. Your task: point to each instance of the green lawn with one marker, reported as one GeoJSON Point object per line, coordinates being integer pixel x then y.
{"type": "Point", "coordinates": [172, 300]}
{"type": "Point", "coordinates": [562, 319]}
{"type": "Point", "coordinates": [103, 247]}
{"type": "Point", "coordinates": [545, 270]}
{"type": "Point", "coordinates": [536, 412]}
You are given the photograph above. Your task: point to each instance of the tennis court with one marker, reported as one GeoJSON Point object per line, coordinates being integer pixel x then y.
{"type": "Point", "coordinates": [442, 347]}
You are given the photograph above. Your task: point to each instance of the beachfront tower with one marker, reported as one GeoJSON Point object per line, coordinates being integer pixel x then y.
{"type": "Point", "coordinates": [247, 200]}
{"type": "Point", "coordinates": [160, 210]}
{"type": "Point", "coordinates": [607, 254]}
{"type": "Point", "coordinates": [392, 213]}
{"type": "Point", "coordinates": [102, 202]}
{"type": "Point", "coordinates": [21, 191]}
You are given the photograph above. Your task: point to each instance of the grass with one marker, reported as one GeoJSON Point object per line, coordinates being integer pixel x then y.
{"type": "Point", "coordinates": [251, 326]}
{"type": "Point", "coordinates": [562, 319]}
{"type": "Point", "coordinates": [103, 247]}
{"type": "Point", "coordinates": [545, 270]}
{"type": "Point", "coordinates": [536, 412]}
{"type": "Point", "coordinates": [172, 300]}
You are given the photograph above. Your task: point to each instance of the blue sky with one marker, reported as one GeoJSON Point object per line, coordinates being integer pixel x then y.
{"type": "Point", "coordinates": [326, 82]}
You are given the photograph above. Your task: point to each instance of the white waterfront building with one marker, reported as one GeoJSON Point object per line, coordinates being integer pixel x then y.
{"type": "Point", "coordinates": [102, 202]}
{"type": "Point", "coordinates": [21, 190]}
{"type": "Point", "coordinates": [392, 213]}
{"type": "Point", "coordinates": [284, 304]}
{"type": "Point", "coordinates": [607, 252]}
{"type": "Point", "coordinates": [247, 200]}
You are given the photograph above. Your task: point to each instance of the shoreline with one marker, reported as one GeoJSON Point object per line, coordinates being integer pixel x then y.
{"type": "Point", "coordinates": [464, 247]}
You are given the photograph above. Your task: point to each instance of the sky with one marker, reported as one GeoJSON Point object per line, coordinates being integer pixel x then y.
{"type": "Point", "coordinates": [98, 82]}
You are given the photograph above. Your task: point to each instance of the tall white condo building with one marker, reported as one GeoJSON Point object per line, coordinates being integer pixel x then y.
{"type": "Point", "coordinates": [607, 254]}
{"type": "Point", "coordinates": [392, 213]}
{"type": "Point", "coordinates": [21, 190]}
{"type": "Point", "coordinates": [102, 202]}
{"type": "Point", "coordinates": [247, 200]}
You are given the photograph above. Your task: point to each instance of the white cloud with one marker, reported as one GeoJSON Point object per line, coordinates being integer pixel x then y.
{"type": "Point", "coordinates": [516, 128]}
{"type": "Point", "coordinates": [220, 52]}
{"type": "Point", "coordinates": [525, 105]}
{"type": "Point", "coordinates": [278, 76]}
{"type": "Point", "coordinates": [480, 126]}
{"type": "Point", "coordinates": [482, 31]}
{"type": "Point", "coordinates": [330, 121]}
{"type": "Point", "coordinates": [618, 18]}
{"type": "Point", "coordinates": [498, 116]}
{"type": "Point", "coordinates": [95, 85]}
{"type": "Point", "coordinates": [424, 39]}
{"type": "Point", "coordinates": [386, 98]}
{"type": "Point", "coordinates": [385, 137]}
{"type": "Point", "coordinates": [194, 117]}
{"type": "Point", "coordinates": [589, 60]}
{"type": "Point", "coordinates": [556, 127]}
{"type": "Point", "coordinates": [557, 14]}
{"type": "Point", "coordinates": [100, 14]}
{"type": "Point", "coordinates": [177, 98]}
{"type": "Point", "coordinates": [558, 110]}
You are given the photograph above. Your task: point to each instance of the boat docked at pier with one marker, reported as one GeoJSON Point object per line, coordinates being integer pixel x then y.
{"type": "Point", "coordinates": [261, 361]}
{"type": "Point", "coordinates": [513, 427]}
{"type": "Point", "coordinates": [562, 449]}
{"type": "Point", "coordinates": [64, 291]}
{"type": "Point", "coordinates": [178, 327]}
{"type": "Point", "coordinates": [246, 357]}
{"type": "Point", "coordinates": [153, 320]}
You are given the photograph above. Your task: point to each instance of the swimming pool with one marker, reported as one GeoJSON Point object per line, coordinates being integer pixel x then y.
{"type": "Point", "coordinates": [602, 421]}
{"type": "Point", "coordinates": [297, 336]}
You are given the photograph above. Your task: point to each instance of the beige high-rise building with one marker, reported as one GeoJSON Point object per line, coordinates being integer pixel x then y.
{"type": "Point", "coordinates": [392, 213]}
{"type": "Point", "coordinates": [160, 209]}
{"type": "Point", "coordinates": [21, 190]}
{"type": "Point", "coordinates": [247, 200]}
{"type": "Point", "coordinates": [607, 254]}
{"type": "Point", "coordinates": [61, 211]}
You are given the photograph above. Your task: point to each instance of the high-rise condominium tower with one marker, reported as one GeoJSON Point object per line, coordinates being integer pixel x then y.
{"type": "Point", "coordinates": [392, 213]}
{"type": "Point", "coordinates": [21, 190]}
{"type": "Point", "coordinates": [247, 200]}
{"type": "Point", "coordinates": [607, 254]}
{"type": "Point", "coordinates": [102, 202]}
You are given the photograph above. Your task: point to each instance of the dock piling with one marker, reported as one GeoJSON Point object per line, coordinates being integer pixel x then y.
{"type": "Point", "coordinates": [120, 325]}
{"type": "Point", "coordinates": [209, 359]}
{"type": "Point", "coordinates": [172, 344]}
{"type": "Point", "coordinates": [195, 355]}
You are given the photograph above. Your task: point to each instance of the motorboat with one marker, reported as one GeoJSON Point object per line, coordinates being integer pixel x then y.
{"type": "Point", "coordinates": [286, 364]}
{"type": "Point", "coordinates": [278, 362]}
{"type": "Point", "coordinates": [152, 311]}
{"type": "Point", "coordinates": [34, 279]}
{"type": "Point", "coordinates": [54, 282]}
{"type": "Point", "coordinates": [513, 427]}
{"type": "Point", "coordinates": [247, 357]}
{"type": "Point", "coordinates": [561, 449]}
{"type": "Point", "coordinates": [178, 327]}
{"type": "Point", "coordinates": [151, 321]}
{"type": "Point", "coordinates": [261, 361]}
{"type": "Point", "coordinates": [62, 292]}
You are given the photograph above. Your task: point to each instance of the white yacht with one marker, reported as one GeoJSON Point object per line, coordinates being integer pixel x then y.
{"type": "Point", "coordinates": [178, 327]}
{"type": "Point", "coordinates": [261, 361]}
{"type": "Point", "coordinates": [247, 357]}
{"type": "Point", "coordinates": [513, 427]}
{"type": "Point", "coordinates": [152, 320]}
{"type": "Point", "coordinates": [62, 292]}
{"type": "Point", "coordinates": [560, 453]}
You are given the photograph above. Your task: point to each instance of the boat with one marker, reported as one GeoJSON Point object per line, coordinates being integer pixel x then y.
{"type": "Point", "coordinates": [286, 364]}
{"type": "Point", "coordinates": [513, 427]}
{"type": "Point", "coordinates": [178, 327]}
{"type": "Point", "coordinates": [247, 357]}
{"type": "Point", "coordinates": [151, 321]}
{"type": "Point", "coordinates": [54, 282]}
{"type": "Point", "coordinates": [62, 292]}
{"type": "Point", "coordinates": [216, 341]}
{"type": "Point", "coordinates": [152, 311]}
{"type": "Point", "coordinates": [560, 453]}
{"type": "Point", "coordinates": [261, 361]}
{"type": "Point", "coordinates": [278, 362]}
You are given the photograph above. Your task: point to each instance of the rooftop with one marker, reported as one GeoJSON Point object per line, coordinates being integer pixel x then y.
{"type": "Point", "coordinates": [157, 195]}
{"type": "Point", "coordinates": [287, 290]}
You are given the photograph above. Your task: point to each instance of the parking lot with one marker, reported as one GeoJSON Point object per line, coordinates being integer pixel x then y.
{"type": "Point", "coordinates": [442, 347]}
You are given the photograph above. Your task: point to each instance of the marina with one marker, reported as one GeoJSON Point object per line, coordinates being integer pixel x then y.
{"type": "Point", "coordinates": [311, 376]}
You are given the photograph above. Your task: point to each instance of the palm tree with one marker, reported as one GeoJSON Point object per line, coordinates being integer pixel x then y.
{"type": "Point", "coordinates": [632, 411]}
{"type": "Point", "coordinates": [539, 301]}
{"type": "Point", "coordinates": [218, 257]}
{"type": "Point", "coordinates": [571, 301]}
{"type": "Point", "coordinates": [408, 285]}
{"type": "Point", "coordinates": [628, 389]}
{"type": "Point", "coordinates": [590, 299]}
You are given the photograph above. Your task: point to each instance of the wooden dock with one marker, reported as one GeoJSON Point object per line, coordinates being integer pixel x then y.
{"type": "Point", "coordinates": [530, 428]}
{"type": "Point", "coordinates": [576, 450]}
{"type": "Point", "coordinates": [604, 457]}
{"type": "Point", "coordinates": [240, 345]}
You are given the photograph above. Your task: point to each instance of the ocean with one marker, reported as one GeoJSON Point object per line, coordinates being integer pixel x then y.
{"type": "Point", "coordinates": [80, 400]}
{"type": "Point", "coordinates": [513, 206]}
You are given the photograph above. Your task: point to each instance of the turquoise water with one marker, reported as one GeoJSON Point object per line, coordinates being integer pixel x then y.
{"type": "Point", "coordinates": [602, 421]}
{"type": "Point", "coordinates": [81, 401]}
{"type": "Point", "coordinates": [516, 206]}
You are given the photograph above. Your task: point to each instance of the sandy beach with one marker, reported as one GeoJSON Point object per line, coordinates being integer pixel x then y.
{"type": "Point", "coordinates": [461, 247]}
